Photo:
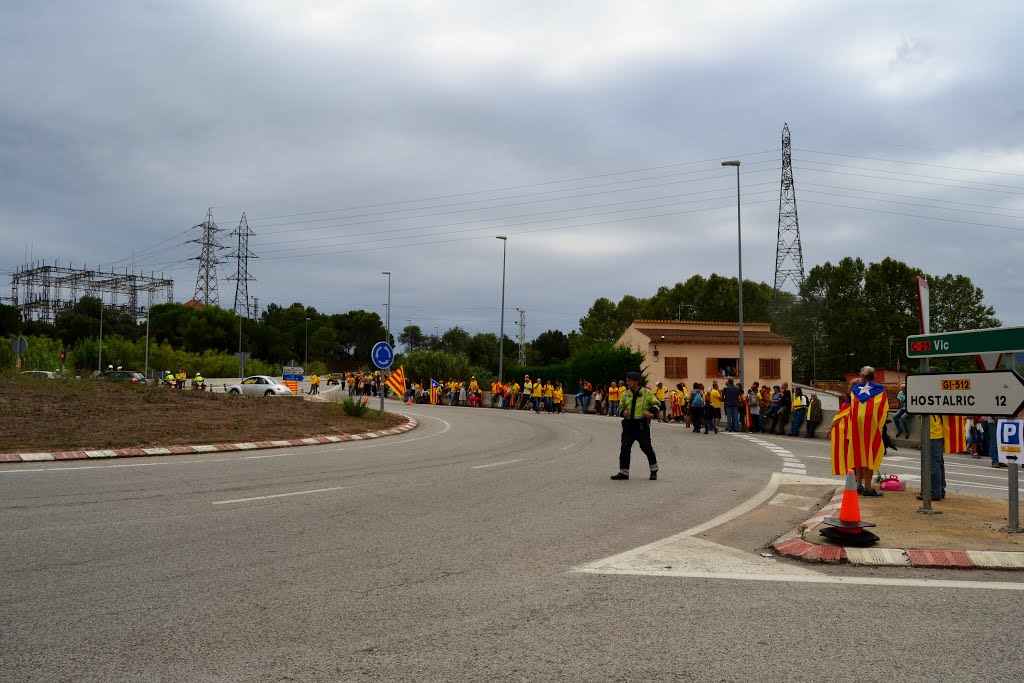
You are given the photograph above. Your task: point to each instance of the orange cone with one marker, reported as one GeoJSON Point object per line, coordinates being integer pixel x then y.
{"type": "Point", "coordinates": [409, 402]}
{"type": "Point", "coordinates": [849, 528]}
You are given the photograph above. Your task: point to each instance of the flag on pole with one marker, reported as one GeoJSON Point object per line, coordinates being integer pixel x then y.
{"type": "Point", "coordinates": [868, 411]}
{"type": "Point", "coordinates": [954, 435]}
{"type": "Point", "coordinates": [396, 380]}
{"type": "Point", "coordinates": [434, 387]}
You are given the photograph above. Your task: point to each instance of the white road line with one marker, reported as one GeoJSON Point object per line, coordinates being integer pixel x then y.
{"type": "Point", "coordinates": [496, 464]}
{"type": "Point", "coordinates": [142, 464]}
{"type": "Point", "coordinates": [565, 448]}
{"type": "Point", "coordinates": [279, 495]}
{"type": "Point", "coordinates": [820, 578]}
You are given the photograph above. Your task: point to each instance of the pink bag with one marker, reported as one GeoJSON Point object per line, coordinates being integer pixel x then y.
{"type": "Point", "coordinates": [892, 483]}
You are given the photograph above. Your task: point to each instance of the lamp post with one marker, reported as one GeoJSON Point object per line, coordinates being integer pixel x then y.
{"type": "Point", "coordinates": [739, 251]}
{"type": "Point", "coordinates": [99, 361]}
{"type": "Point", "coordinates": [387, 313]}
{"type": "Point", "coordinates": [305, 362]}
{"type": "Point", "coordinates": [145, 369]}
{"type": "Point", "coordinates": [501, 335]}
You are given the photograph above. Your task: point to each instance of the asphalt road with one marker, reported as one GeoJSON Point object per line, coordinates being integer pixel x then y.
{"type": "Point", "coordinates": [452, 553]}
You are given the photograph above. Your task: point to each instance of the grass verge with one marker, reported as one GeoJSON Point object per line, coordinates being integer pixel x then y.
{"type": "Point", "coordinates": [51, 415]}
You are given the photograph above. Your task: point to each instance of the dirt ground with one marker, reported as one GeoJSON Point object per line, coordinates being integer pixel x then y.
{"type": "Point", "coordinates": [59, 415]}
{"type": "Point", "coordinates": [966, 523]}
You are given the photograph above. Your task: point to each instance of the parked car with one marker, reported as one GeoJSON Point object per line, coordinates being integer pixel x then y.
{"type": "Point", "coordinates": [40, 374]}
{"type": "Point", "coordinates": [259, 385]}
{"type": "Point", "coordinates": [124, 376]}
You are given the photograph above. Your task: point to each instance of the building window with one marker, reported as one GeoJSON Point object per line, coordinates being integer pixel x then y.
{"type": "Point", "coordinates": [675, 368]}
{"type": "Point", "coordinates": [771, 368]}
{"type": "Point", "coordinates": [722, 367]}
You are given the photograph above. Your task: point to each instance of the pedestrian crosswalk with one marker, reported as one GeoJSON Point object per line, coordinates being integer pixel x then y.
{"type": "Point", "coordinates": [790, 464]}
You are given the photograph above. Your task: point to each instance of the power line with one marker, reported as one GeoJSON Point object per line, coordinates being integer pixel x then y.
{"type": "Point", "coordinates": [910, 163]}
{"type": "Point", "coordinates": [513, 187]}
{"type": "Point", "coordinates": [914, 215]}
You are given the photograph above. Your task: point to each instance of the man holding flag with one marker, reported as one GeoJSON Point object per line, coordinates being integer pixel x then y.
{"type": "Point", "coordinates": [869, 407]}
{"type": "Point", "coordinates": [435, 387]}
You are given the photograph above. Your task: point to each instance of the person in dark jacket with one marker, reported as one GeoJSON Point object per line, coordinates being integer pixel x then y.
{"type": "Point", "coordinates": [814, 415]}
{"type": "Point", "coordinates": [731, 397]}
{"type": "Point", "coordinates": [785, 409]}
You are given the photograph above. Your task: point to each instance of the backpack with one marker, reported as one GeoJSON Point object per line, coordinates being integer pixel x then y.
{"type": "Point", "coordinates": [698, 400]}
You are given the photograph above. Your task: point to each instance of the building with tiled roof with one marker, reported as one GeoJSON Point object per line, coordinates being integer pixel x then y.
{"type": "Point", "coordinates": [681, 351]}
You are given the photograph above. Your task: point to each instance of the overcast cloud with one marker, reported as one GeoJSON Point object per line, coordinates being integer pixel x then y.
{"type": "Point", "coordinates": [121, 122]}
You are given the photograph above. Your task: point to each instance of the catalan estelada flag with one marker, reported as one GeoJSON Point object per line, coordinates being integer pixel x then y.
{"type": "Point", "coordinates": [434, 387]}
{"type": "Point", "coordinates": [868, 411]}
{"type": "Point", "coordinates": [396, 380]}
{"type": "Point", "coordinates": [955, 436]}
{"type": "Point", "coordinates": [840, 438]}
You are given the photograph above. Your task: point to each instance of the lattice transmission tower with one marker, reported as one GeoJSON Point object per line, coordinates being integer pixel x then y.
{"type": "Point", "coordinates": [522, 337]}
{"type": "Point", "coordinates": [789, 255]}
{"type": "Point", "coordinates": [243, 305]}
{"type": "Point", "coordinates": [206, 279]}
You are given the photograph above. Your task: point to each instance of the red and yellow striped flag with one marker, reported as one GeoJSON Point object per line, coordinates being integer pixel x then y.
{"type": "Point", "coordinates": [869, 409]}
{"type": "Point", "coordinates": [954, 434]}
{"type": "Point", "coordinates": [840, 438]}
{"type": "Point", "coordinates": [396, 380]}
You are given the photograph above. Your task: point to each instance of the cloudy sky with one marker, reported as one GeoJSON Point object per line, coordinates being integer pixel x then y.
{"type": "Point", "coordinates": [385, 135]}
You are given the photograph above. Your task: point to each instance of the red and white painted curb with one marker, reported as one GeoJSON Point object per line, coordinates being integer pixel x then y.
{"type": "Point", "coordinates": [792, 544]}
{"type": "Point", "coordinates": [210, 448]}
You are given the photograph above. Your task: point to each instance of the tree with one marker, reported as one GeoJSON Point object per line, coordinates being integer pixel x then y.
{"type": "Point", "coordinates": [83, 320]}
{"type": "Point", "coordinates": [551, 346]}
{"type": "Point", "coordinates": [412, 338]}
{"type": "Point", "coordinates": [455, 340]}
{"type": "Point", "coordinates": [10, 320]}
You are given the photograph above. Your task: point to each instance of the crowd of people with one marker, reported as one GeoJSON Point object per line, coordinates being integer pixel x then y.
{"type": "Point", "coordinates": [775, 409]}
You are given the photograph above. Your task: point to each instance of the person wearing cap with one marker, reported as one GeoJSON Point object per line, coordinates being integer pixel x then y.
{"type": "Point", "coordinates": [527, 393]}
{"type": "Point", "coordinates": [637, 406]}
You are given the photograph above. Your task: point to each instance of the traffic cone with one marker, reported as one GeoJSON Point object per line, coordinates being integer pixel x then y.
{"type": "Point", "coordinates": [409, 402]}
{"type": "Point", "coordinates": [849, 529]}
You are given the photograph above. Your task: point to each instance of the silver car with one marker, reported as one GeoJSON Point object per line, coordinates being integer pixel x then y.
{"type": "Point", "coordinates": [260, 385]}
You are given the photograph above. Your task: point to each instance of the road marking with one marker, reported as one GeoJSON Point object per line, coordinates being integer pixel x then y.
{"type": "Point", "coordinates": [141, 464]}
{"type": "Point", "coordinates": [496, 464]}
{"type": "Point", "coordinates": [565, 448]}
{"type": "Point", "coordinates": [684, 556]}
{"type": "Point", "coordinates": [279, 495]}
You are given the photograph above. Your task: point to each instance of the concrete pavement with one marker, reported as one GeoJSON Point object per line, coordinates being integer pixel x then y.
{"type": "Point", "coordinates": [453, 553]}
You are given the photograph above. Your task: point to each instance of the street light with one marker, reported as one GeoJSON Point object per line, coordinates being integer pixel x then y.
{"type": "Point", "coordinates": [306, 362]}
{"type": "Point", "coordinates": [501, 336]}
{"type": "Point", "coordinates": [387, 324]}
{"type": "Point", "coordinates": [739, 250]}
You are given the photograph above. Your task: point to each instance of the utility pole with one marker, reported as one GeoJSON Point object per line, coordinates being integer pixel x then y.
{"type": "Point", "coordinates": [206, 279]}
{"type": "Point", "coordinates": [242, 255]}
{"type": "Point", "coordinates": [789, 255]}
{"type": "Point", "coordinates": [501, 334]}
{"type": "Point", "coordinates": [522, 336]}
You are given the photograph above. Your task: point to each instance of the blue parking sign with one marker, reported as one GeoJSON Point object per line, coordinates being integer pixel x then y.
{"type": "Point", "coordinates": [1010, 439]}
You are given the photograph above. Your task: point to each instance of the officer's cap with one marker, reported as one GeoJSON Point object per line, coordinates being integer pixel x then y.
{"type": "Point", "coordinates": [634, 375]}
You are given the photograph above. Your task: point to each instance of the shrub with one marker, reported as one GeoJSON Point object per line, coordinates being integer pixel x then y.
{"type": "Point", "coordinates": [354, 407]}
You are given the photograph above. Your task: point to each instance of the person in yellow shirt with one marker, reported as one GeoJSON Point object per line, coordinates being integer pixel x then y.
{"type": "Point", "coordinates": [473, 384]}
{"type": "Point", "coordinates": [558, 397]}
{"type": "Point", "coordinates": [613, 399]}
{"type": "Point", "coordinates": [538, 395]}
{"type": "Point", "coordinates": [659, 393]}
{"type": "Point", "coordinates": [936, 458]}
{"type": "Point", "coordinates": [549, 397]}
{"type": "Point", "coordinates": [715, 400]}
{"type": "Point", "coordinates": [314, 384]}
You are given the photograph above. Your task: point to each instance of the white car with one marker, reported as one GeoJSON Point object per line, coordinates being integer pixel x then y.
{"type": "Point", "coordinates": [260, 385]}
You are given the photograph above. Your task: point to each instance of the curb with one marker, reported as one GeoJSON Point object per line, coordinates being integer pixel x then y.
{"type": "Point", "coordinates": [792, 544]}
{"type": "Point", "coordinates": [410, 424]}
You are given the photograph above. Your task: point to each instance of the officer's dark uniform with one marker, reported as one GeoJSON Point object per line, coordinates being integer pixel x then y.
{"type": "Point", "coordinates": [636, 428]}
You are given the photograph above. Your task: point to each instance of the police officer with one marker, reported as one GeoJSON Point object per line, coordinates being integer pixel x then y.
{"type": "Point", "coordinates": [636, 406]}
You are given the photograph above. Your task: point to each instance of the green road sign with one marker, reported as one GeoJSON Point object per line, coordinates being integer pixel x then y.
{"type": "Point", "coordinates": [966, 343]}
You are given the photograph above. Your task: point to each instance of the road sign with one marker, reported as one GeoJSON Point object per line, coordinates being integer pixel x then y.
{"type": "Point", "coordinates": [997, 394]}
{"type": "Point", "coordinates": [19, 345]}
{"type": "Point", "coordinates": [293, 370]}
{"type": "Point", "coordinates": [924, 305]}
{"type": "Point", "coordinates": [382, 355]}
{"type": "Point", "coordinates": [242, 356]}
{"type": "Point", "coordinates": [1010, 439]}
{"type": "Point", "coordinates": [966, 343]}
{"type": "Point", "coordinates": [292, 378]}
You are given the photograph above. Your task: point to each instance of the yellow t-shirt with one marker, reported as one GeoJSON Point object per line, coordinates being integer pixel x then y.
{"type": "Point", "coordinates": [473, 386]}
{"type": "Point", "coordinates": [716, 398]}
{"type": "Point", "coordinates": [935, 428]}
{"type": "Point", "coordinates": [559, 394]}
{"type": "Point", "coordinates": [538, 389]}
{"type": "Point", "coordinates": [549, 391]}
{"type": "Point", "coordinates": [659, 393]}
{"type": "Point", "coordinates": [613, 393]}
